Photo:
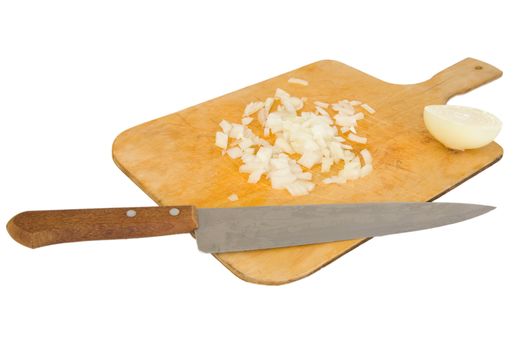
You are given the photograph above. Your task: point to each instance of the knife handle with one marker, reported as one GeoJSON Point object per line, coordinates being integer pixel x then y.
{"type": "Point", "coordinates": [40, 228]}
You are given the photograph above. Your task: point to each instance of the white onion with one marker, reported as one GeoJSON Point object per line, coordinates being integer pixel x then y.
{"type": "Point", "coordinates": [233, 197]}
{"type": "Point", "coordinates": [367, 157]}
{"type": "Point", "coordinates": [298, 81]}
{"type": "Point", "coordinates": [310, 135]}
{"type": "Point", "coordinates": [461, 128]}
{"type": "Point", "coordinates": [226, 126]}
{"type": "Point", "coordinates": [321, 110]}
{"type": "Point", "coordinates": [368, 108]}
{"type": "Point", "coordinates": [255, 176]}
{"type": "Point", "coordinates": [365, 170]}
{"type": "Point", "coordinates": [321, 104]}
{"type": "Point", "coordinates": [268, 104]}
{"type": "Point", "coordinates": [221, 140]}
{"type": "Point", "coordinates": [280, 93]}
{"type": "Point", "coordinates": [247, 120]}
{"type": "Point", "coordinates": [236, 131]}
{"type": "Point", "coordinates": [358, 116]}
{"type": "Point", "coordinates": [252, 108]}
{"type": "Point", "coordinates": [356, 138]}
{"type": "Point", "coordinates": [234, 152]}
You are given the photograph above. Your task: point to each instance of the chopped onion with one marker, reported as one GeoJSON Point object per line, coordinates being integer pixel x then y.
{"type": "Point", "coordinates": [298, 81]}
{"type": "Point", "coordinates": [321, 104]}
{"type": "Point", "coordinates": [367, 157]}
{"type": "Point", "coordinates": [221, 140]}
{"type": "Point", "coordinates": [226, 126]}
{"type": "Point", "coordinates": [255, 176]}
{"type": "Point", "coordinates": [252, 108]}
{"type": "Point", "coordinates": [311, 137]}
{"type": "Point", "coordinates": [247, 120]}
{"type": "Point", "coordinates": [280, 93]}
{"type": "Point", "coordinates": [365, 170]}
{"type": "Point", "coordinates": [356, 138]}
{"type": "Point", "coordinates": [368, 108]}
{"type": "Point", "coordinates": [268, 104]}
{"type": "Point", "coordinates": [321, 110]}
{"type": "Point", "coordinates": [234, 152]}
{"type": "Point", "coordinates": [236, 131]}
{"type": "Point", "coordinates": [358, 116]}
{"type": "Point", "coordinates": [233, 197]}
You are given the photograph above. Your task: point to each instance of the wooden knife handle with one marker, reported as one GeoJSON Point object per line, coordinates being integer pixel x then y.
{"type": "Point", "coordinates": [462, 77]}
{"type": "Point", "coordinates": [40, 228]}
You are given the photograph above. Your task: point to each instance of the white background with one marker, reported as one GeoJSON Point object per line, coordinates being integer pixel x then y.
{"type": "Point", "coordinates": [72, 76]}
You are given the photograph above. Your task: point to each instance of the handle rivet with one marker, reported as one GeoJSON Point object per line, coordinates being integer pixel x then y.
{"type": "Point", "coordinates": [131, 213]}
{"type": "Point", "coordinates": [174, 212]}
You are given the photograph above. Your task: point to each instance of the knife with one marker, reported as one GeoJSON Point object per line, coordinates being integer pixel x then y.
{"type": "Point", "coordinates": [219, 230]}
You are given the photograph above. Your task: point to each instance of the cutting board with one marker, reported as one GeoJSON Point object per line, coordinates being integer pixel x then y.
{"type": "Point", "coordinates": [174, 159]}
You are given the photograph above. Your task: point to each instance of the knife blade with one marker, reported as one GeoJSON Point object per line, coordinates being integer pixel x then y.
{"type": "Point", "coordinates": [220, 230]}
{"type": "Point", "coordinates": [240, 229]}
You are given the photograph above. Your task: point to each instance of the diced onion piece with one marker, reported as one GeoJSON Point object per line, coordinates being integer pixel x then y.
{"type": "Point", "coordinates": [358, 116]}
{"type": "Point", "coordinates": [309, 159]}
{"type": "Point", "coordinates": [262, 116]}
{"type": "Point", "coordinates": [365, 170]}
{"type": "Point", "coordinates": [252, 108]}
{"type": "Point", "coordinates": [268, 104]}
{"type": "Point", "coordinates": [280, 93]}
{"type": "Point", "coordinates": [346, 121]}
{"type": "Point", "coordinates": [326, 164]}
{"type": "Point", "coordinates": [328, 180]}
{"type": "Point", "coordinates": [321, 110]}
{"type": "Point", "coordinates": [255, 176]}
{"type": "Point", "coordinates": [304, 176]}
{"type": "Point", "coordinates": [226, 126]}
{"type": "Point", "coordinates": [245, 143]}
{"type": "Point", "coordinates": [298, 81]}
{"type": "Point", "coordinates": [284, 145]}
{"type": "Point", "coordinates": [367, 108]}
{"type": "Point", "coordinates": [236, 131]}
{"type": "Point", "coordinates": [280, 182]}
{"type": "Point", "coordinates": [321, 104]}
{"type": "Point", "coordinates": [246, 120]}
{"type": "Point", "coordinates": [296, 189]}
{"type": "Point", "coordinates": [367, 157]}
{"type": "Point", "coordinates": [355, 102]}
{"type": "Point", "coordinates": [234, 152]}
{"type": "Point", "coordinates": [296, 102]}
{"type": "Point", "coordinates": [221, 140]}
{"type": "Point", "coordinates": [356, 138]}
{"type": "Point", "coordinates": [461, 128]}
{"type": "Point", "coordinates": [264, 154]}
{"type": "Point", "coordinates": [233, 197]}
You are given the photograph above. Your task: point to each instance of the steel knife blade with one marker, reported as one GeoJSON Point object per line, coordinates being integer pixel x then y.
{"type": "Point", "coordinates": [252, 228]}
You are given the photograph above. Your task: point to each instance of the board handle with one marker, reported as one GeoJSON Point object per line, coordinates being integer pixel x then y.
{"type": "Point", "coordinates": [40, 228]}
{"type": "Point", "coordinates": [462, 77]}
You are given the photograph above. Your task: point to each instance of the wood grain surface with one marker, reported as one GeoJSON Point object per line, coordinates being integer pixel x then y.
{"type": "Point", "coordinates": [40, 228]}
{"type": "Point", "coordinates": [174, 160]}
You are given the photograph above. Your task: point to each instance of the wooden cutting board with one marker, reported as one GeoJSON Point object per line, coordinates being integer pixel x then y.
{"type": "Point", "coordinates": [174, 159]}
